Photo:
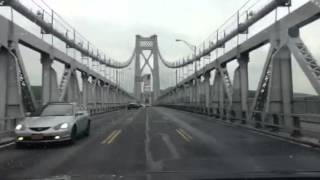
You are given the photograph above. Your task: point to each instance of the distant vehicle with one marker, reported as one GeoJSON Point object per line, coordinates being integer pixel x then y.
{"type": "Point", "coordinates": [56, 122]}
{"type": "Point", "coordinates": [134, 106]}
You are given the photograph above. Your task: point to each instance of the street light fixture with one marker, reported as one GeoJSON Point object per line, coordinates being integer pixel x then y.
{"type": "Point", "coordinates": [193, 49]}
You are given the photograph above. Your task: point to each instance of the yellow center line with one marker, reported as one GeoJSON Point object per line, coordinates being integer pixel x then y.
{"type": "Point", "coordinates": [114, 137]}
{"type": "Point", "coordinates": [183, 136]}
{"type": "Point", "coordinates": [186, 134]}
{"type": "Point", "coordinates": [107, 139]}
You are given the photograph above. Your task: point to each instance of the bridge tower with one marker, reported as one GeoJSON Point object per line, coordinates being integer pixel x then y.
{"type": "Point", "coordinates": [143, 46]}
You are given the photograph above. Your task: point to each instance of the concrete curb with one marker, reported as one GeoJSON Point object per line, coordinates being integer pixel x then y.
{"type": "Point", "coordinates": [312, 142]}
{"type": "Point", "coordinates": [6, 140]}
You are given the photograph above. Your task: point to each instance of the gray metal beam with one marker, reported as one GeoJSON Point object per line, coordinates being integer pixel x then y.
{"type": "Point", "coordinates": [48, 27]}
{"type": "Point", "coordinates": [49, 81]}
{"type": "Point", "coordinates": [306, 61]}
{"type": "Point", "coordinates": [11, 104]}
{"type": "Point", "coordinates": [240, 29]}
{"type": "Point", "coordinates": [85, 89]}
{"type": "Point", "coordinates": [302, 16]}
{"type": "Point", "coordinates": [243, 60]}
{"type": "Point", "coordinates": [29, 40]}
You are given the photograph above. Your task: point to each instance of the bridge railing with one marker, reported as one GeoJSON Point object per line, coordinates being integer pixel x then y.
{"type": "Point", "coordinates": [304, 124]}
{"type": "Point", "coordinates": [7, 126]}
{"type": "Point", "coordinates": [105, 107]}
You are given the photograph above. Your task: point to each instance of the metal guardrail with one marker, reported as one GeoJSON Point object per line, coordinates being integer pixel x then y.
{"type": "Point", "coordinates": [105, 107]}
{"type": "Point", "coordinates": [7, 126]}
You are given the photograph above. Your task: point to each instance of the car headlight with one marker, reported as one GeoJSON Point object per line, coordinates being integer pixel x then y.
{"type": "Point", "coordinates": [19, 127]}
{"type": "Point", "coordinates": [64, 126]}
{"type": "Point", "coordinates": [61, 126]}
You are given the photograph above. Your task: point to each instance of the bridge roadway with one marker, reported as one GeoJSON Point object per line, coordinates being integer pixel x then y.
{"type": "Point", "coordinates": [157, 139]}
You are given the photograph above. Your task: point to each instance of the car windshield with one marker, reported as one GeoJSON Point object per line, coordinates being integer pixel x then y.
{"type": "Point", "coordinates": [214, 88]}
{"type": "Point", "coordinates": [57, 110]}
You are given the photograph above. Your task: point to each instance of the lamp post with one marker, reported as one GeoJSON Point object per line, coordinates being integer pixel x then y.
{"type": "Point", "coordinates": [193, 49]}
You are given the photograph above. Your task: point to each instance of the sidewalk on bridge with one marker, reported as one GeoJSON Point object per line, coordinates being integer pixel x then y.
{"type": "Point", "coordinates": [302, 140]}
{"type": "Point", "coordinates": [6, 140]}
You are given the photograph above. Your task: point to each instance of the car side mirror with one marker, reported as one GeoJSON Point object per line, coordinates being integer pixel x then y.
{"type": "Point", "coordinates": [80, 113]}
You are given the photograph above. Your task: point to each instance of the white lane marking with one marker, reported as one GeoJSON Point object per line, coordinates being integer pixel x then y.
{"type": "Point", "coordinates": [151, 164]}
{"type": "Point", "coordinates": [172, 148]}
{"type": "Point", "coordinates": [147, 142]}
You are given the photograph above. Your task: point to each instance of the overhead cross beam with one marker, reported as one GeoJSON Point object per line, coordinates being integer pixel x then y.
{"type": "Point", "coordinates": [306, 14]}
{"type": "Point", "coordinates": [242, 27]}
{"type": "Point", "coordinates": [274, 107]}
{"type": "Point", "coordinates": [49, 29]}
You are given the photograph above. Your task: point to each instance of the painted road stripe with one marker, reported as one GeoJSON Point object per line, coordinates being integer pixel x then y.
{"type": "Point", "coordinates": [183, 136]}
{"type": "Point", "coordinates": [114, 137]}
{"type": "Point", "coordinates": [110, 136]}
{"type": "Point", "coordinates": [186, 134]}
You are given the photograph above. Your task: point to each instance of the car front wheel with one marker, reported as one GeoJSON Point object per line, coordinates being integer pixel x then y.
{"type": "Point", "coordinates": [87, 131]}
{"type": "Point", "coordinates": [73, 135]}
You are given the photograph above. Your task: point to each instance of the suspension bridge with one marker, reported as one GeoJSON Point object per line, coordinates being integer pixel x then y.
{"type": "Point", "coordinates": [198, 110]}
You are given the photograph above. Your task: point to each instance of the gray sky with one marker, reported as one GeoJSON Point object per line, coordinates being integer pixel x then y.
{"type": "Point", "coordinates": [112, 25]}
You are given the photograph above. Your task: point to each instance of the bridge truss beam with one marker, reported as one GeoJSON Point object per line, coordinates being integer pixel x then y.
{"type": "Point", "coordinates": [144, 45]}
{"type": "Point", "coordinates": [49, 28]}
{"type": "Point", "coordinates": [16, 95]}
{"type": "Point", "coordinates": [273, 106]}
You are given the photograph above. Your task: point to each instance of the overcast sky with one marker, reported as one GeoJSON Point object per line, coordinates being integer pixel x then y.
{"type": "Point", "coordinates": [112, 25]}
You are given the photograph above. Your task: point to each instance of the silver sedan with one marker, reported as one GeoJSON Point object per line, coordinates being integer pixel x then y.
{"type": "Point", "coordinates": [57, 122]}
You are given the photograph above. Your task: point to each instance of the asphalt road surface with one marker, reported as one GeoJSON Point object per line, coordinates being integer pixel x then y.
{"type": "Point", "coordinates": [140, 144]}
